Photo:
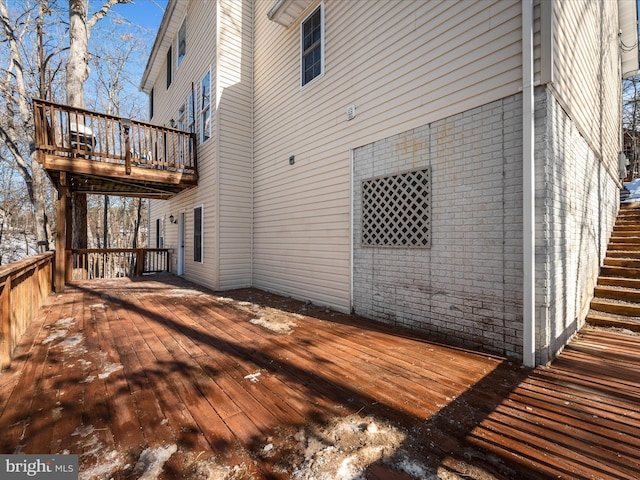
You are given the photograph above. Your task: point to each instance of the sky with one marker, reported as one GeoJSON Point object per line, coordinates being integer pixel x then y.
{"type": "Point", "coordinates": [146, 13]}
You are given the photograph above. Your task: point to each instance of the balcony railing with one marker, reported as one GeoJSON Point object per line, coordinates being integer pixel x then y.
{"type": "Point", "coordinates": [92, 144]}
{"type": "Point", "coordinates": [90, 264]}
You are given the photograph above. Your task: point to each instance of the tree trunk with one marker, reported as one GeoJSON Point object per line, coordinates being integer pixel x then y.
{"type": "Point", "coordinates": [79, 215]}
{"type": "Point", "coordinates": [77, 74]}
{"type": "Point", "coordinates": [105, 223]}
{"type": "Point", "coordinates": [136, 228]}
{"type": "Point", "coordinates": [39, 202]}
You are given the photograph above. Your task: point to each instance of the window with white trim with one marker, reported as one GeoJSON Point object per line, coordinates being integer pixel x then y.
{"type": "Point", "coordinates": [182, 125]}
{"type": "Point", "coordinates": [198, 221]}
{"type": "Point", "coordinates": [312, 46]}
{"type": "Point", "coordinates": [182, 42]}
{"type": "Point", "coordinates": [205, 107]}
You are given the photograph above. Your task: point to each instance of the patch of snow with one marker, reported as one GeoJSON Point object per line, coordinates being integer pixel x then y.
{"type": "Point", "coordinates": [152, 460]}
{"type": "Point", "coordinates": [253, 377]}
{"type": "Point", "coordinates": [282, 326]}
{"type": "Point", "coordinates": [108, 369]}
{"type": "Point", "coordinates": [73, 344]}
{"type": "Point", "coordinates": [346, 447]}
{"type": "Point", "coordinates": [56, 414]}
{"type": "Point", "coordinates": [83, 431]}
{"type": "Point", "coordinates": [109, 463]}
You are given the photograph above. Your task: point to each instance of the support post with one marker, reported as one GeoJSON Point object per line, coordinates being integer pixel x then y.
{"type": "Point", "coordinates": [5, 328]}
{"type": "Point", "coordinates": [61, 236]}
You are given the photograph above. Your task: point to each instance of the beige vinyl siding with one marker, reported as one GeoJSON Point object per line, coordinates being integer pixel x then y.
{"type": "Point", "coordinates": [201, 55]}
{"type": "Point", "coordinates": [403, 64]}
{"type": "Point", "coordinates": [234, 77]}
{"type": "Point", "coordinates": [579, 81]}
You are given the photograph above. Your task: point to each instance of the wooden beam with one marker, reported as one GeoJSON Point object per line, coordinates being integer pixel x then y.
{"type": "Point", "coordinates": [78, 165]}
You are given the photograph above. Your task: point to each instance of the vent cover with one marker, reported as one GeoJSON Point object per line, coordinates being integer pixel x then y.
{"type": "Point", "coordinates": [351, 112]}
{"type": "Point", "coordinates": [396, 210]}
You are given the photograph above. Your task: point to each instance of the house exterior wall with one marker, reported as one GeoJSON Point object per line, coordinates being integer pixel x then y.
{"type": "Point", "coordinates": [435, 85]}
{"type": "Point", "coordinates": [404, 65]}
{"type": "Point", "coordinates": [467, 286]}
{"type": "Point", "coordinates": [576, 207]}
{"type": "Point", "coordinates": [577, 143]}
{"type": "Point", "coordinates": [219, 41]}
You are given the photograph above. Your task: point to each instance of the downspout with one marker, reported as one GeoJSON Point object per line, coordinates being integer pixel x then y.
{"type": "Point", "coordinates": [528, 187]}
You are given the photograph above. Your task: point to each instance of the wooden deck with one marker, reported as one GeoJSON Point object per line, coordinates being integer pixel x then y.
{"type": "Point", "coordinates": [160, 379]}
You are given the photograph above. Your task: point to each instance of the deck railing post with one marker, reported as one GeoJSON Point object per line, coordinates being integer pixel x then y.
{"type": "Point", "coordinates": [126, 125]}
{"type": "Point", "coordinates": [5, 326]}
{"type": "Point", "coordinates": [139, 262]}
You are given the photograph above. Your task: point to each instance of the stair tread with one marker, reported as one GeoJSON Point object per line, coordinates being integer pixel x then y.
{"type": "Point", "coordinates": [611, 320]}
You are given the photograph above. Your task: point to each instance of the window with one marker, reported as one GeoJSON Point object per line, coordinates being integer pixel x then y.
{"type": "Point", "coordinates": [182, 125]}
{"type": "Point", "coordinates": [151, 104]}
{"type": "Point", "coordinates": [182, 41]}
{"type": "Point", "coordinates": [205, 107]}
{"type": "Point", "coordinates": [169, 66]}
{"type": "Point", "coordinates": [191, 114]}
{"type": "Point", "coordinates": [396, 210]}
{"type": "Point", "coordinates": [312, 45]}
{"type": "Point", "coordinates": [197, 234]}
{"type": "Point", "coordinates": [159, 236]}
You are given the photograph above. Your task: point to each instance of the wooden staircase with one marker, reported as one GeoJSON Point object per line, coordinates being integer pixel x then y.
{"type": "Point", "coordinates": [616, 301]}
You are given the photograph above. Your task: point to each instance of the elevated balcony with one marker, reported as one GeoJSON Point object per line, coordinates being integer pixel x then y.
{"type": "Point", "coordinates": [92, 152]}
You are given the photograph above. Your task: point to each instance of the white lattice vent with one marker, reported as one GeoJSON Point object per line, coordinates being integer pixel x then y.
{"type": "Point", "coordinates": [396, 210]}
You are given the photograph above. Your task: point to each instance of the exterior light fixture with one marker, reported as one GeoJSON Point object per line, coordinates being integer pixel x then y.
{"type": "Point", "coordinates": [172, 219]}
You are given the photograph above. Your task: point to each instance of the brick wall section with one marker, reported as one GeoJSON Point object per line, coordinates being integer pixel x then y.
{"type": "Point", "coordinates": [467, 287]}
{"type": "Point", "coordinates": [576, 206]}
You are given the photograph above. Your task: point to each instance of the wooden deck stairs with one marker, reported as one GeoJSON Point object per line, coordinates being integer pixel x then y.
{"type": "Point", "coordinates": [616, 301]}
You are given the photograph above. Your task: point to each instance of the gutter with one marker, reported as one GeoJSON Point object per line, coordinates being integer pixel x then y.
{"type": "Point", "coordinates": [528, 180]}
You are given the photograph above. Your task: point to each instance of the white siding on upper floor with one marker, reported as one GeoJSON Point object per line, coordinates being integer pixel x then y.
{"type": "Point", "coordinates": [403, 64]}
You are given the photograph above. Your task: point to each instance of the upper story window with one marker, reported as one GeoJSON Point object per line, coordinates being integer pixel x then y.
{"type": "Point", "coordinates": [205, 107]}
{"type": "Point", "coordinates": [151, 104]}
{"type": "Point", "coordinates": [182, 41]}
{"type": "Point", "coordinates": [169, 66]}
{"type": "Point", "coordinates": [191, 114]}
{"type": "Point", "coordinates": [312, 45]}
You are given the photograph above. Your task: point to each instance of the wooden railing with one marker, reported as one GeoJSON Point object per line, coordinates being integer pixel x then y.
{"type": "Point", "coordinates": [66, 131]}
{"type": "Point", "coordinates": [24, 285]}
{"type": "Point", "coordinates": [95, 263]}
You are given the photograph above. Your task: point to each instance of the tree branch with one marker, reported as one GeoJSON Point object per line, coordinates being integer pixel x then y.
{"type": "Point", "coordinates": [100, 14]}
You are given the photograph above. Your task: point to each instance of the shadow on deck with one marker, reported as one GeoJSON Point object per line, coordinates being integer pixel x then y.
{"type": "Point", "coordinates": [159, 373]}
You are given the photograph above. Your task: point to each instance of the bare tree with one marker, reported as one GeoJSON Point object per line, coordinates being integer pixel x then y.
{"type": "Point", "coordinates": [19, 76]}
{"type": "Point", "coordinates": [631, 123]}
{"type": "Point", "coordinates": [80, 25]}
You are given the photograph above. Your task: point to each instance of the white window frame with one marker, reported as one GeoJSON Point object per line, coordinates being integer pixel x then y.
{"type": "Point", "coordinates": [179, 57]}
{"type": "Point", "coordinates": [204, 110]}
{"type": "Point", "coordinates": [201, 207]}
{"type": "Point", "coordinates": [303, 84]}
